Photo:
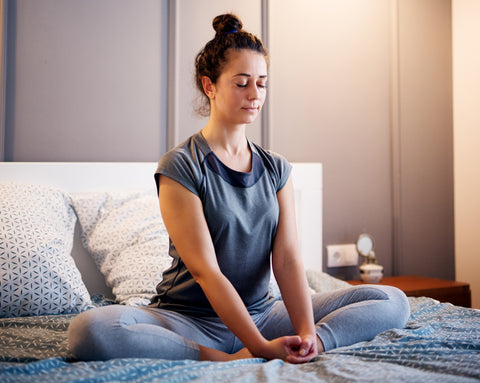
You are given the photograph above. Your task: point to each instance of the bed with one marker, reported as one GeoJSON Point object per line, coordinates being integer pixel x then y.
{"type": "Point", "coordinates": [85, 222]}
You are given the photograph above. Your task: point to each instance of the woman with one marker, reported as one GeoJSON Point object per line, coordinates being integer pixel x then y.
{"type": "Point", "coordinates": [229, 210]}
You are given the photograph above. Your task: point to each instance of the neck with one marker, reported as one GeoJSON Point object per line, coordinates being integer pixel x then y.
{"type": "Point", "coordinates": [231, 140]}
{"type": "Point", "coordinates": [229, 145]}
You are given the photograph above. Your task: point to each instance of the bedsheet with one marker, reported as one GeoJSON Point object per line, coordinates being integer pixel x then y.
{"type": "Point", "coordinates": [440, 343]}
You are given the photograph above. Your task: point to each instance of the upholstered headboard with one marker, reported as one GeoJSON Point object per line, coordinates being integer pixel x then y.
{"type": "Point", "coordinates": [112, 176]}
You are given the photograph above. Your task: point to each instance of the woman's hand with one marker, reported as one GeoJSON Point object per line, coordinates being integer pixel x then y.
{"type": "Point", "coordinates": [306, 351]}
{"type": "Point", "coordinates": [292, 349]}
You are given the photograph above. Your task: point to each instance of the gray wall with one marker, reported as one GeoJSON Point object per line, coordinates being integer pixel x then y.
{"type": "Point", "coordinates": [330, 102]}
{"type": "Point", "coordinates": [188, 34]}
{"type": "Point", "coordinates": [425, 139]}
{"type": "Point", "coordinates": [363, 86]}
{"type": "Point", "coordinates": [86, 80]}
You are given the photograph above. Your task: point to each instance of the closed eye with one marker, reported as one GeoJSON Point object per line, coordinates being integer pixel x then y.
{"type": "Point", "coordinates": [263, 86]}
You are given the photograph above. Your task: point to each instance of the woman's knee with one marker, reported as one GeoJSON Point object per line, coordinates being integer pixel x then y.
{"type": "Point", "coordinates": [79, 335]}
{"type": "Point", "coordinates": [398, 305]}
{"type": "Point", "coordinates": [89, 331]}
{"type": "Point", "coordinates": [402, 306]}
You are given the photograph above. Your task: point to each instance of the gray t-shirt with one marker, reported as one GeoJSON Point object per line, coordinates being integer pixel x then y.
{"type": "Point", "coordinates": [241, 210]}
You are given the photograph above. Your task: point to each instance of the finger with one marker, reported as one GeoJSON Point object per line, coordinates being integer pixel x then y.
{"type": "Point", "coordinates": [303, 351]}
{"type": "Point", "coordinates": [293, 341]}
{"type": "Point", "coordinates": [295, 359]}
{"type": "Point", "coordinates": [305, 348]}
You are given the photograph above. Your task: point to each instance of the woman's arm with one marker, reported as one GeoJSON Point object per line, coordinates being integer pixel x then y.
{"type": "Point", "coordinates": [290, 274]}
{"type": "Point", "coordinates": [184, 219]}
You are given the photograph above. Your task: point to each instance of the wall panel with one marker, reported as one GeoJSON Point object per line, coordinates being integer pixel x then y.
{"type": "Point", "coordinates": [85, 80]}
{"type": "Point", "coordinates": [190, 29]}
{"type": "Point", "coordinates": [426, 139]}
{"type": "Point", "coordinates": [466, 80]}
{"type": "Point", "coordinates": [330, 102]}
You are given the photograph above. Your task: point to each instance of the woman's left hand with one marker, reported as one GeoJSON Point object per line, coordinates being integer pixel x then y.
{"type": "Point", "coordinates": [304, 351]}
{"type": "Point", "coordinates": [292, 349]}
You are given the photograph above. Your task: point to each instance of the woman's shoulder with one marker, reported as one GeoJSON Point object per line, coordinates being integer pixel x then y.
{"type": "Point", "coordinates": [192, 150]}
{"type": "Point", "coordinates": [183, 162]}
{"type": "Point", "coordinates": [271, 157]}
{"type": "Point", "coordinates": [275, 163]}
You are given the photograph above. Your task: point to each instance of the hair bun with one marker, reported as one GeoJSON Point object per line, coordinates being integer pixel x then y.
{"type": "Point", "coordinates": [227, 23]}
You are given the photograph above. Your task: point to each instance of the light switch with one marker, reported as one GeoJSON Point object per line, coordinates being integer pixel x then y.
{"type": "Point", "coordinates": [342, 255]}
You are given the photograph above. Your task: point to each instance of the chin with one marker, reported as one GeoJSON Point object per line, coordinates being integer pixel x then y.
{"type": "Point", "coordinates": [250, 121]}
{"type": "Point", "coordinates": [250, 118]}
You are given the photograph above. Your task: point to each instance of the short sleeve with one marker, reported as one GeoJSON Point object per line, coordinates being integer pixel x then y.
{"type": "Point", "coordinates": [285, 169]}
{"type": "Point", "coordinates": [281, 169]}
{"type": "Point", "coordinates": [179, 166]}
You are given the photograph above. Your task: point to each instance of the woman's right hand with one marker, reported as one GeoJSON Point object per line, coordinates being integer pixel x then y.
{"type": "Point", "coordinates": [288, 348]}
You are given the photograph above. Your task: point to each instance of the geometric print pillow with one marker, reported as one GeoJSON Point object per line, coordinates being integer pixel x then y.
{"type": "Point", "coordinates": [321, 282]}
{"type": "Point", "coordinates": [124, 233]}
{"type": "Point", "coordinates": [37, 274]}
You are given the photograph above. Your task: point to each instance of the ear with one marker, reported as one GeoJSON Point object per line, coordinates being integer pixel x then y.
{"type": "Point", "coordinates": [208, 87]}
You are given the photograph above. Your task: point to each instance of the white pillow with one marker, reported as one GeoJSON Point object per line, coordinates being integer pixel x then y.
{"type": "Point", "coordinates": [37, 274]}
{"type": "Point", "coordinates": [318, 282]}
{"type": "Point", "coordinates": [125, 234]}
{"type": "Point", "coordinates": [321, 282]}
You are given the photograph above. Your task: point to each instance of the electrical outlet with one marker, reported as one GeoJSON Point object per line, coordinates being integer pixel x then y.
{"type": "Point", "coordinates": [342, 255]}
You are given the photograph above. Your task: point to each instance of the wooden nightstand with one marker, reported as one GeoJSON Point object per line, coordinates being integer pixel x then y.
{"type": "Point", "coordinates": [457, 293]}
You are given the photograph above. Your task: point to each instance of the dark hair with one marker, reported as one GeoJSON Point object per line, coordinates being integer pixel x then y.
{"type": "Point", "coordinates": [211, 60]}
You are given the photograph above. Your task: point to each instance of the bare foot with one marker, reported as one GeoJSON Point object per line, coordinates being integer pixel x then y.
{"type": "Point", "coordinates": [320, 347]}
{"type": "Point", "coordinates": [242, 354]}
{"type": "Point", "coordinates": [213, 355]}
{"type": "Point", "coordinates": [220, 356]}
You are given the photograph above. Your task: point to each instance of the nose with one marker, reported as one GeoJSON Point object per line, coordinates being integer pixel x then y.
{"type": "Point", "coordinates": [254, 92]}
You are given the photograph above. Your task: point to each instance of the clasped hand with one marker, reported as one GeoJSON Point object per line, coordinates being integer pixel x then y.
{"type": "Point", "coordinates": [292, 349]}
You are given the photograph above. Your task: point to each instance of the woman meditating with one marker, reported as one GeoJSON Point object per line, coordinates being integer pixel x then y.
{"type": "Point", "coordinates": [228, 206]}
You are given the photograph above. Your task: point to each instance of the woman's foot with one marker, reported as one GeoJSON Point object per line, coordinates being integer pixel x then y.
{"type": "Point", "coordinates": [213, 355]}
{"type": "Point", "coordinates": [320, 347]}
{"type": "Point", "coordinates": [242, 354]}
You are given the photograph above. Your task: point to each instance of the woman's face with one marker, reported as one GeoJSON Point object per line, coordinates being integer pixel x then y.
{"type": "Point", "coordinates": [240, 91]}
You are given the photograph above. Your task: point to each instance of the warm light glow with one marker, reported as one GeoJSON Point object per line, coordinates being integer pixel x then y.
{"type": "Point", "coordinates": [466, 81]}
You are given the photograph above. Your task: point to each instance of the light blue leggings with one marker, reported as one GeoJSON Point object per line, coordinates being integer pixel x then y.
{"type": "Point", "coordinates": [342, 317]}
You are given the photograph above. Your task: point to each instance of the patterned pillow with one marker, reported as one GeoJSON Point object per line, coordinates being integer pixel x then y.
{"type": "Point", "coordinates": [125, 234]}
{"type": "Point", "coordinates": [321, 282]}
{"type": "Point", "coordinates": [37, 274]}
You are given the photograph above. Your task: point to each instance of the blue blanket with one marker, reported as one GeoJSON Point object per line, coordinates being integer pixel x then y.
{"type": "Point", "coordinates": [441, 343]}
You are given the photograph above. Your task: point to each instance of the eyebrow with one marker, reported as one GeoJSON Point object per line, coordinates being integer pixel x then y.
{"type": "Point", "coordinates": [248, 75]}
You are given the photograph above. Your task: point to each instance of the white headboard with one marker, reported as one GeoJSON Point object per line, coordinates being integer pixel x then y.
{"type": "Point", "coordinates": [110, 176]}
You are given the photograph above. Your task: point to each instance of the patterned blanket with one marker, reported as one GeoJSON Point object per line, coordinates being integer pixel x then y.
{"type": "Point", "coordinates": [441, 343]}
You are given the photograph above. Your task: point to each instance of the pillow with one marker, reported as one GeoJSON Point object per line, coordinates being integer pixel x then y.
{"type": "Point", "coordinates": [321, 282]}
{"type": "Point", "coordinates": [125, 234]}
{"type": "Point", "coordinates": [37, 274]}
{"type": "Point", "coordinates": [318, 282]}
